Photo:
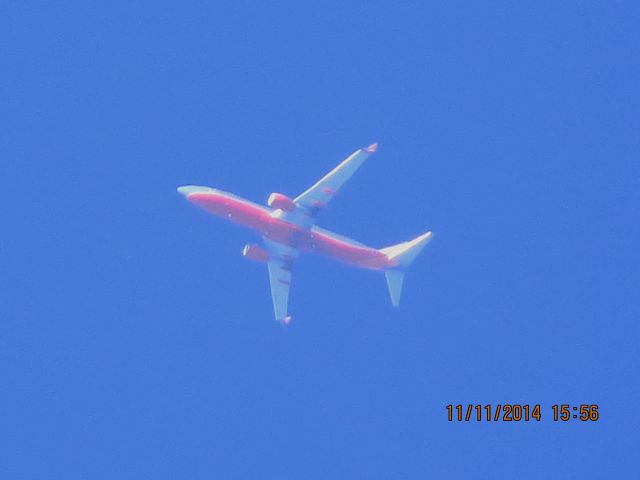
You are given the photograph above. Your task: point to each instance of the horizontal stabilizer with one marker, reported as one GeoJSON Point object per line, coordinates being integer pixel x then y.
{"type": "Point", "coordinates": [404, 253]}
{"type": "Point", "coordinates": [394, 282]}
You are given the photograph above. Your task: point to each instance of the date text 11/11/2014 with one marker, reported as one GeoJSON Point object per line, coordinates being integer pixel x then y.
{"type": "Point", "coordinates": [513, 412]}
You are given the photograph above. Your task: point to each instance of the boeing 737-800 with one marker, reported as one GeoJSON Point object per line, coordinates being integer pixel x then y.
{"type": "Point", "coordinates": [288, 229]}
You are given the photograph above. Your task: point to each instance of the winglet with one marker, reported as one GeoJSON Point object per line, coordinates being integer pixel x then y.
{"type": "Point", "coordinates": [371, 148]}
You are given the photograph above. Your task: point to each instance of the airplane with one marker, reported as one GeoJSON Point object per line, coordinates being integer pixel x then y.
{"type": "Point", "coordinates": [288, 229]}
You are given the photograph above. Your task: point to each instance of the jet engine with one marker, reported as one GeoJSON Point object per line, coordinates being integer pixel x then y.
{"type": "Point", "coordinates": [278, 200]}
{"type": "Point", "coordinates": [255, 253]}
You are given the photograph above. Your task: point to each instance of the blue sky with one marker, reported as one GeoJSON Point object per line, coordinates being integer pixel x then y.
{"type": "Point", "coordinates": [135, 341]}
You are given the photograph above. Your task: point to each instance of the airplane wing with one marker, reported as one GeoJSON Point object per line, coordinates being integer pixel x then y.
{"type": "Point", "coordinates": [279, 265]}
{"type": "Point", "coordinates": [316, 198]}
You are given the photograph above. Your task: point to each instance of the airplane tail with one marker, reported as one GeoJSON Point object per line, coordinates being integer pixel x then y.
{"type": "Point", "coordinates": [404, 253]}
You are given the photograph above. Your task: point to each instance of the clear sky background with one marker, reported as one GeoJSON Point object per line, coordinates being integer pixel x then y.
{"type": "Point", "coordinates": [136, 342]}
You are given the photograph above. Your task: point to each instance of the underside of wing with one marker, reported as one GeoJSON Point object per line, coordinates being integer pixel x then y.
{"type": "Point", "coordinates": [279, 265]}
{"type": "Point", "coordinates": [280, 280]}
{"type": "Point", "coordinates": [320, 194]}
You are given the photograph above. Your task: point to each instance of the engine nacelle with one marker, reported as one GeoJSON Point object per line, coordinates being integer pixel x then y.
{"type": "Point", "coordinates": [255, 253]}
{"type": "Point", "coordinates": [278, 200]}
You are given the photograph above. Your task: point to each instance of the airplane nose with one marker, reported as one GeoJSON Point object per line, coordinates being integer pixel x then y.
{"type": "Point", "coordinates": [183, 191]}
{"type": "Point", "coordinates": [187, 190]}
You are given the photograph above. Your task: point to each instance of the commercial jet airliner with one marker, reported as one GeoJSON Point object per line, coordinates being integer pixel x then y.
{"type": "Point", "coordinates": [288, 229]}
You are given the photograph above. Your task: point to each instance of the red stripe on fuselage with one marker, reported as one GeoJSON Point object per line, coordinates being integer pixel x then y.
{"type": "Point", "coordinates": [259, 218]}
{"type": "Point", "coordinates": [357, 255]}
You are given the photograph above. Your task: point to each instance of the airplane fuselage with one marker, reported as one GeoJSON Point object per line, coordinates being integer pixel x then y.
{"type": "Point", "coordinates": [265, 221]}
{"type": "Point", "coordinates": [287, 226]}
